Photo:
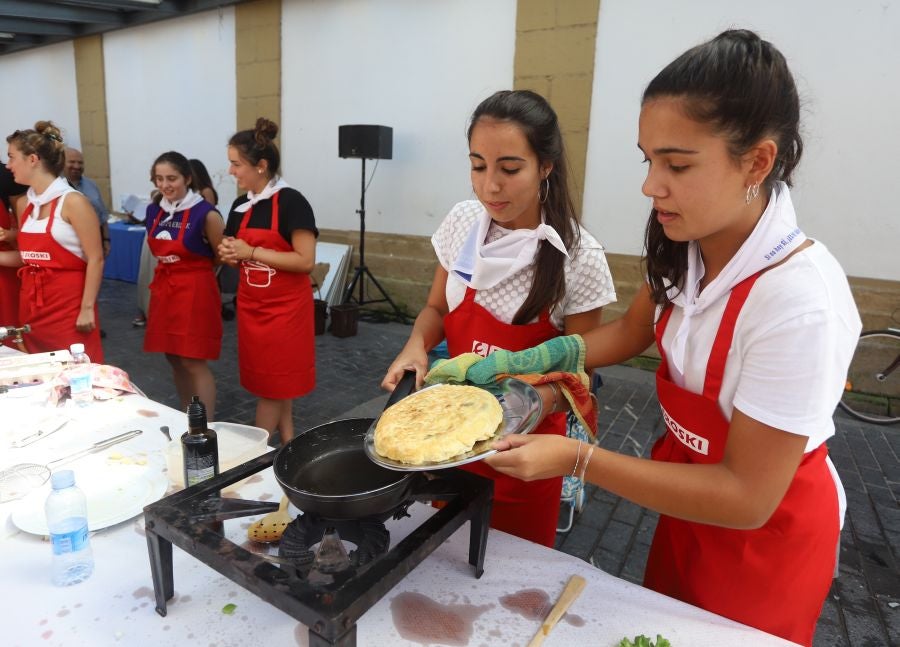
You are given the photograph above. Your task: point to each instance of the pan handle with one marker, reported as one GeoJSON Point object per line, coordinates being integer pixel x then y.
{"type": "Point", "coordinates": [405, 387]}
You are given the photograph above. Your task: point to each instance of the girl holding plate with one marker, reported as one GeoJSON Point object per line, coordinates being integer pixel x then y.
{"type": "Point", "coordinates": [515, 269]}
{"type": "Point", "coordinates": [756, 326]}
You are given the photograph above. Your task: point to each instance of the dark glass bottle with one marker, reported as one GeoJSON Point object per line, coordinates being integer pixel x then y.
{"type": "Point", "coordinates": [199, 446]}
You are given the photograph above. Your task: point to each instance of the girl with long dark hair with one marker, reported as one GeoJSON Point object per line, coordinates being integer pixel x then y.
{"type": "Point", "coordinates": [515, 269]}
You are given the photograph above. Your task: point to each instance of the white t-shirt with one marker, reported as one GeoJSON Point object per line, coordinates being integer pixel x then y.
{"type": "Point", "coordinates": [63, 233]}
{"type": "Point", "coordinates": [793, 341]}
{"type": "Point", "coordinates": [589, 284]}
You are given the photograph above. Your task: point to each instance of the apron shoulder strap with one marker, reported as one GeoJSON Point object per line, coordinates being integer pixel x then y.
{"type": "Point", "coordinates": [718, 354]}
{"type": "Point", "coordinates": [275, 211]}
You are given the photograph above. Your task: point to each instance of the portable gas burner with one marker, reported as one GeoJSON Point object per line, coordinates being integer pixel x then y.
{"type": "Point", "coordinates": [328, 590]}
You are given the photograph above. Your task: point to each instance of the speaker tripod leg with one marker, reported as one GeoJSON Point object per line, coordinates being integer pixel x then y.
{"type": "Point", "coordinates": [360, 277]}
{"type": "Point", "coordinates": [397, 310]}
{"type": "Point", "coordinates": [357, 277]}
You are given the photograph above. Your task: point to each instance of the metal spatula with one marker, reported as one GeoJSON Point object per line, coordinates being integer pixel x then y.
{"type": "Point", "coordinates": [18, 480]}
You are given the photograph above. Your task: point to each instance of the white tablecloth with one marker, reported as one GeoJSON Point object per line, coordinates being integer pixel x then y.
{"type": "Point", "coordinates": [441, 597]}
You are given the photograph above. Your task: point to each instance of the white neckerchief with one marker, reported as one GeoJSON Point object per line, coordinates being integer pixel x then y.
{"type": "Point", "coordinates": [274, 186]}
{"type": "Point", "coordinates": [775, 236]}
{"type": "Point", "coordinates": [189, 200]}
{"type": "Point", "coordinates": [57, 187]}
{"type": "Point", "coordinates": [483, 265]}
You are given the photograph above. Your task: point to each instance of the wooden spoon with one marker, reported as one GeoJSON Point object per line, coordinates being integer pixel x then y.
{"type": "Point", "coordinates": [573, 589]}
{"type": "Point", "coordinates": [270, 528]}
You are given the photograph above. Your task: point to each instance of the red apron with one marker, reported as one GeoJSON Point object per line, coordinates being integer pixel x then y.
{"type": "Point", "coordinates": [774, 578]}
{"type": "Point", "coordinates": [9, 280]}
{"type": "Point", "coordinates": [527, 509]}
{"type": "Point", "coordinates": [52, 287]}
{"type": "Point", "coordinates": [184, 317]}
{"type": "Point", "coordinates": [276, 323]}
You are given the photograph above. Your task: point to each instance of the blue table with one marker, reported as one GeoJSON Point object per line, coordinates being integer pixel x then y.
{"type": "Point", "coordinates": [125, 252]}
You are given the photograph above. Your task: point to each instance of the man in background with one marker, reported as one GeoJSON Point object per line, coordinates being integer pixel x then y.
{"type": "Point", "coordinates": [75, 175]}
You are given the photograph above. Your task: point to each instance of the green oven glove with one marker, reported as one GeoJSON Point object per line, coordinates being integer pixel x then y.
{"type": "Point", "coordinates": [564, 354]}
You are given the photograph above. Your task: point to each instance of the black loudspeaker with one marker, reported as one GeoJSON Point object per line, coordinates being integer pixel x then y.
{"type": "Point", "coordinates": [367, 142]}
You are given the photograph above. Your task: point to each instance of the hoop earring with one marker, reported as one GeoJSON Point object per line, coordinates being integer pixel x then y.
{"type": "Point", "coordinates": [752, 193]}
{"type": "Point", "coordinates": [546, 186]}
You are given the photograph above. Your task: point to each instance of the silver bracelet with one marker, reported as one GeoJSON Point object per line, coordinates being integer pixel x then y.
{"type": "Point", "coordinates": [577, 458]}
{"type": "Point", "coordinates": [587, 460]}
{"type": "Point", "coordinates": [555, 390]}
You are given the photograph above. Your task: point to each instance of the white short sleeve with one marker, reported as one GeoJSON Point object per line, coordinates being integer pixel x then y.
{"type": "Point", "coordinates": [793, 341]}
{"type": "Point", "coordinates": [589, 283]}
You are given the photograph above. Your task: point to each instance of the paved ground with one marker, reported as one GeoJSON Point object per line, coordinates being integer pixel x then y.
{"type": "Point", "coordinates": [863, 607]}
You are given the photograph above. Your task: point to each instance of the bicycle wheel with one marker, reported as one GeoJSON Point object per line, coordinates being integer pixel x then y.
{"type": "Point", "coordinates": [873, 380]}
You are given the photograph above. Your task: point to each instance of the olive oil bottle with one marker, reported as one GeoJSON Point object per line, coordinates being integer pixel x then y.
{"type": "Point", "coordinates": [199, 446]}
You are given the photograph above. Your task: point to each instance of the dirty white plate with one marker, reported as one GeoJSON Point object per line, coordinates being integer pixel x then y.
{"type": "Point", "coordinates": [114, 494]}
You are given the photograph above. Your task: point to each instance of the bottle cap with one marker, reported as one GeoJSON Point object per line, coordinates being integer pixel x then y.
{"type": "Point", "coordinates": [196, 413]}
{"type": "Point", "coordinates": [76, 349]}
{"type": "Point", "coordinates": [62, 479]}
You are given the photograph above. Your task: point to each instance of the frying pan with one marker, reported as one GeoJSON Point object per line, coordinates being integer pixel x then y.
{"type": "Point", "coordinates": [325, 470]}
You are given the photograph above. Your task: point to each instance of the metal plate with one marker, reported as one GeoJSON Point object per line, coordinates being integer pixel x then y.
{"type": "Point", "coordinates": [522, 408]}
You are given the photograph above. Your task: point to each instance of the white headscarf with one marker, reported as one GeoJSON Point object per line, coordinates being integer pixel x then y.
{"type": "Point", "coordinates": [775, 236]}
{"type": "Point", "coordinates": [57, 187]}
{"type": "Point", "coordinates": [483, 265]}
{"type": "Point", "coordinates": [274, 186]}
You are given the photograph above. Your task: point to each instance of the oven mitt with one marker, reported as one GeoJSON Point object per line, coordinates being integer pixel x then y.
{"type": "Point", "coordinates": [582, 403]}
{"type": "Point", "coordinates": [559, 360]}
{"type": "Point", "coordinates": [564, 354]}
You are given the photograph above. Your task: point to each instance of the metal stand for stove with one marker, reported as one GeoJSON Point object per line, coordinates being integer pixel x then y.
{"type": "Point", "coordinates": [187, 519]}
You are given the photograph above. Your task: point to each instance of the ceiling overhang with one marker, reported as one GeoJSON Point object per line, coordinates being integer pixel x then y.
{"type": "Point", "coordinates": [25, 24]}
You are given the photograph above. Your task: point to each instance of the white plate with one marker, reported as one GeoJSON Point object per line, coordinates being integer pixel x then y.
{"type": "Point", "coordinates": [114, 495]}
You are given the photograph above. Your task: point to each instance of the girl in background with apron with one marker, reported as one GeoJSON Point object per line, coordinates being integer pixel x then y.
{"type": "Point", "coordinates": [755, 325]}
{"type": "Point", "coordinates": [271, 239]}
{"type": "Point", "coordinates": [9, 255]}
{"type": "Point", "coordinates": [183, 320]}
{"type": "Point", "coordinates": [59, 246]}
{"type": "Point", "coordinates": [516, 269]}
{"type": "Point", "coordinates": [9, 280]}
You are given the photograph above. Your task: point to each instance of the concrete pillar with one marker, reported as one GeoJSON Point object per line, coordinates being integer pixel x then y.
{"type": "Point", "coordinates": [555, 42]}
{"type": "Point", "coordinates": [90, 79]}
{"type": "Point", "coordinates": [258, 61]}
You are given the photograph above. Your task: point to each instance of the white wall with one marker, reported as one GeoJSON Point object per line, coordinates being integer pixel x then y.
{"type": "Point", "coordinates": [419, 67]}
{"type": "Point", "coordinates": [846, 61]}
{"type": "Point", "coordinates": [39, 84]}
{"type": "Point", "coordinates": [171, 86]}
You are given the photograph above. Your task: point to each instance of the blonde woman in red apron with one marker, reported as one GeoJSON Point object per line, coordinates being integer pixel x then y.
{"type": "Point", "coordinates": [271, 239]}
{"type": "Point", "coordinates": [516, 269]}
{"type": "Point", "coordinates": [183, 321]}
{"type": "Point", "coordinates": [756, 326]}
{"type": "Point", "coordinates": [60, 247]}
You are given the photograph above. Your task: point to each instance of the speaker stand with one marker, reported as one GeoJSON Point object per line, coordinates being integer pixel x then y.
{"type": "Point", "coordinates": [362, 271]}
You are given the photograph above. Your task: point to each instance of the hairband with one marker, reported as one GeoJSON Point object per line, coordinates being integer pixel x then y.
{"type": "Point", "coordinates": [53, 137]}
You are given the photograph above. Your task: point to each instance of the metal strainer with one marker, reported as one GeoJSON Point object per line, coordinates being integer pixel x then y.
{"type": "Point", "coordinates": [18, 480]}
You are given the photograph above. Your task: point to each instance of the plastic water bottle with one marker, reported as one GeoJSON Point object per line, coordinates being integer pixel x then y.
{"type": "Point", "coordinates": [66, 510]}
{"type": "Point", "coordinates": [79, 376]}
